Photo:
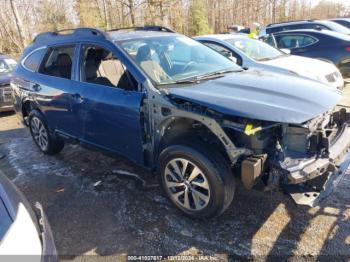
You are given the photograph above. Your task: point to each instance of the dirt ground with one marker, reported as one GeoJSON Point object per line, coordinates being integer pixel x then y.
{"type": "Point", "coordinates": [105, 206]}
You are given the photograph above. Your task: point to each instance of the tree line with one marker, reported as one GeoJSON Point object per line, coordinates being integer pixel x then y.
{"type": "Point", "coordinates": [21, 20]}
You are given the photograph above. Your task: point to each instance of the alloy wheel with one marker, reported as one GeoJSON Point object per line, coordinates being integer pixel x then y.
{"type": "Point", "coordinates": [187, 184]}
{"type": "Point", "coordinates": [39, 133]}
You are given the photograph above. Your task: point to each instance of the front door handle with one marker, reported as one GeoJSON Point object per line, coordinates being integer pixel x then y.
{"type": "Point", "coordinates": [78, 98]}
{"type": "Point", "coordinates": [36, 87]}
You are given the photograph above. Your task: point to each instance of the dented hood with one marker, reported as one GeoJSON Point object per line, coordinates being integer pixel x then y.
{"type": "Point", "coordinates": [262, 95]}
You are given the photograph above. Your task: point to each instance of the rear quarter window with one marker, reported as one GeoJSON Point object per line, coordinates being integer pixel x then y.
{"type": "Point", "coordinates": [33, 61]}
{"type": "Point", "coordinates": [58, 61]}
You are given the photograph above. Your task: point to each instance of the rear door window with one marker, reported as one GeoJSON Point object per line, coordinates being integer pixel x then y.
{"type": "Point", "coordinates": [294, 41]}
{"type": "Point", "coordinates": [33, 61]}
{"type": "Point", "coordinates": [58, 62]}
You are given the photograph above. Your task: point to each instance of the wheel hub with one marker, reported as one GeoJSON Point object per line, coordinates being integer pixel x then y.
{"type": "Point", "coordinates": [187, 184]}
{"type": "Point", "coordinates": [39, 133]}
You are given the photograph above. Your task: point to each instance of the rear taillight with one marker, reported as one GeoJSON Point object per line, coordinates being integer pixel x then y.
{"type": "Point", "coordinates": [347, 49]}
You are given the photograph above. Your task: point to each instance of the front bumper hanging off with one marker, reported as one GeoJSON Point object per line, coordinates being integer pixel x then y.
{"type": "Point", "coordinates": [313, 179]}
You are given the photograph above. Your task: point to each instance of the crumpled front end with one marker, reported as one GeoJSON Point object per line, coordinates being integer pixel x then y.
{"type": "Point", "coordinates": [303, 159]}
{"type": "Point", "coordinates": [316, 156]}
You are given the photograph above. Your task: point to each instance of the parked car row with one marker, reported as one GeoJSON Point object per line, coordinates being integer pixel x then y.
{"type": "Point", "coordinates": [251, 53]}
{"type": "Point", "coordinates": [329, 25]}
{"type": "Point", "coordinates": [181, 109]}
{"type": "Point", "coordinates": [328, 40]}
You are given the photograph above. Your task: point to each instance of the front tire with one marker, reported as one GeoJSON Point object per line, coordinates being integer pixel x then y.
{"type": "Point", "coordinates": [197, 181]}
{"type": "Point", "coordinates": [42, 136]}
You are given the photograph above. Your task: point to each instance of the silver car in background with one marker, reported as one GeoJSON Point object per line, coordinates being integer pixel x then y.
{"type": "Point", "coordinates": [251, 53]}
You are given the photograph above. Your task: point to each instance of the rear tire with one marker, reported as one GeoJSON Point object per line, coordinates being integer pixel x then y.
{"type": "Point", "coordinates": [197, 180]}
{"type": "Point", "coordinates": [42, 136]}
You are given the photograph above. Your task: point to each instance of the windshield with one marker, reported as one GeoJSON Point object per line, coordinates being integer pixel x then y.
{"type": "Point", "coordinates": [7, 65]}
{"type": "Point", "coordinates": [171, 59]}
{"type": "Point", "coordinates": [255, 49]}
{"type": "Point", "coordinates": [337, 27]}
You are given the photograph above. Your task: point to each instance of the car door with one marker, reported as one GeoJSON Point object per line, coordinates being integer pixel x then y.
{"type": "Point", "coordinates": [39, 76]}
{"type": "Point", "coordinates": [109, 110]}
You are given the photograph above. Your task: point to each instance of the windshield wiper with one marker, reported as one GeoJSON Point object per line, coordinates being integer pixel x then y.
{"type": "Point", "coordinates": [215, 74]}
{"type": "Point", "coordinates": [264, 59]}
{"type": "Point", "coordinates": [197, 79]}
{"type": "Point", "coordinates": [212, 75]}
{"type": "Point", "coordinates": [185, 81]}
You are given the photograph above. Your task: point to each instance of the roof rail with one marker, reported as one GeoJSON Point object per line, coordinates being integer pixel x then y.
{"type": "Point", "coordinates": [144, 28]}
{"type": "Point", "coordinates": [286, 22]}
{"type": "Point", "coordinates": [82, 31]}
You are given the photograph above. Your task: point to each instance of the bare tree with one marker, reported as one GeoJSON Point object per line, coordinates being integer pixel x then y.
{"type": "Point", "coordinates": [20, 20]}
{"type": "Point", "coordinates": [19, 23]}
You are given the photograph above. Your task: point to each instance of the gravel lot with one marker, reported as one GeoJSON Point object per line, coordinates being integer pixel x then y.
{"type": "Point", "coordinates": [99, 205]}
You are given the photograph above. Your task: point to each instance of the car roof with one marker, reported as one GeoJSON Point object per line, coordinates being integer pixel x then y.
{"type": "Point", "coordinates": [296, 22]}
{"type": "Point", "coordinates": [121, 35]}
{"type": "Point", "coordinates": [77, 34]}
{"type": "Point", "coordinates": [319, 32]}
{"type": "Point", "coordinates": [221, 36]}
{"type": "Point", "coordinates": [66, 36]}
{"type": "Point", "coordinates": [340, 19]}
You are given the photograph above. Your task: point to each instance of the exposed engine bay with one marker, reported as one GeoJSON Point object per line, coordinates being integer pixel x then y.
{"type": "Point", "coordinates": [287, 155]}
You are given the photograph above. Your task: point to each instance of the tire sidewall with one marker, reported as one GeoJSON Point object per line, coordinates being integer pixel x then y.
{"type": "Point", "coordinates": [211, 172]}
{"type": "Point", "coordinates": [38, 115]}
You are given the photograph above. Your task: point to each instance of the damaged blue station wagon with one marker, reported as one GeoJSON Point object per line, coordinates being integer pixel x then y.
{"type": "Point", "coordinates": [179, 108]}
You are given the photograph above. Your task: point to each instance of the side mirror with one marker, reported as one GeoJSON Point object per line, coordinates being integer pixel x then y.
{"type": "Point", "coordinates": [285, 50]}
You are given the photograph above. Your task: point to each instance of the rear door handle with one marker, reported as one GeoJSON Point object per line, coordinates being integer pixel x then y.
{"type": "Point", "coordinates": [77, 97]}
